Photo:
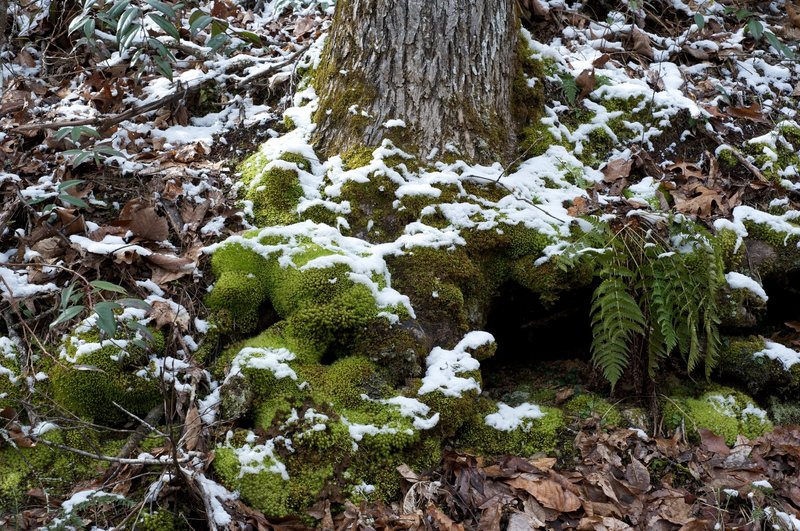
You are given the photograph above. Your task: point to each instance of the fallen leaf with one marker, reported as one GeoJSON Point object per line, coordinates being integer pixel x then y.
{"type": "Point", "coordinates": [586, 82]}
{"type": "Point", "coordinates": [547, 492]}
{"type": "Point", "coordinates": [640, 43]}
{"type": "Point", "coordinates": [617, 169]}
{"type": "Point", "coordinates": [444, 522]}
{"type": "Point", "coordinates": [752, 112]}
{"type": "Point", "coordinates": [192, 428]}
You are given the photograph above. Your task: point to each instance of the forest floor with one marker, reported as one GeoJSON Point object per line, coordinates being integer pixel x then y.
{"type": "Point", "coordinates": [115, 179]}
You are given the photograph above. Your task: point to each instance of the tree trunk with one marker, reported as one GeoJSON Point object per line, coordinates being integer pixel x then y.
{"type": "Point", "coordinates": [443, 67]}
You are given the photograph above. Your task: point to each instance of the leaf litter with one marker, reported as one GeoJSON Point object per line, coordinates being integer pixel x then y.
{"type": "Point", "coordinates": [141, 219]}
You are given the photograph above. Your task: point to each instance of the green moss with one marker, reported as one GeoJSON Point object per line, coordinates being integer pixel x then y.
{"type": "Point", "coordinates": [11, 382]}
{"type": "Point", "coordinates": [240, 289]}
{"type": "Point", "coordinates": [103, 377]}
{"type": "Point", "coordinates": [726, 241]}
{"type": "Point", "coordinates": [53, 469]}
{"type": "Point", "coordinates": [157, 521]}
{"type": "Point", "coordinates": [265, 491]}
{"type": "Point", "coordinates": [723, 411]}
{"type": "Point", "coordinates": [531, 437]}
{"type": "Point", "coordinates": [588, 405]}
{"type": "Point", "coordinates": [343, 382]}
{"type": "Point", "coordinates": [453, 411]}
{"type": "Point", "coordinates": [759, 375]}
{"type": "Point", "coordinates": [727, 158]}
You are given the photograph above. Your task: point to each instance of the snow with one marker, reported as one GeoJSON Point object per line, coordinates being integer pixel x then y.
{"type": "Point", "coordinates": [394, 123]}
{"type": "Point", "coordinates": [84, 496]}
{"type": "Point", "coordinates": [781, 353]}
{"type": "Point", "coordinates": [509, 418]}
{"type": "Point", "coordinates": [412, 408]}
{"type": "Point", "coordinates": [444, 367]}
{"type": "Point", "coordinates": [270, 359]}
{"type": "Point", "coordinates": [740, 281]}
{"type": "Point", "coordinates": [762, 484]}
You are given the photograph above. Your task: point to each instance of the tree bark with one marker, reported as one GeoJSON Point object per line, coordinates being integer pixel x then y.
{"type": "Point", "coordinates": [444, 67]}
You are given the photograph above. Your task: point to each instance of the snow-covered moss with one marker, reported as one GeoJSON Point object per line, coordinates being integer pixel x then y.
{"type": "Point", "coordinates": [723, 411]}
{"type": "Point", "coordinates": [92, 374]}
{"type": "Point", "coordinates": [11, 381]}
{"type": "Point", "coordinates": [524, 430]}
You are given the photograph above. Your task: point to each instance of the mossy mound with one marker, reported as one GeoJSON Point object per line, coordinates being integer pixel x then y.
{"type": "Point", "coordinates": [589, 405]}
{"type": "Point", "coordinates": [741, 361]}
{"type": "Point", "coordinates": [497, 428]}
{"type": "Point", "coordinates": [93, 375]}
{"type": "Point", "coordinates": [43, 466]}
{"type": "Point", "coordinates": [723, 411]}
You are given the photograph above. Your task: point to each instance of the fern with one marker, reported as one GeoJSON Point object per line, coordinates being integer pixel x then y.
{"type": "Point", "coordinates": [616, 320]}
{"type": "Point", "coordinates": [570, 88]}
{"type": "Point", "coordinates": [658, 292]}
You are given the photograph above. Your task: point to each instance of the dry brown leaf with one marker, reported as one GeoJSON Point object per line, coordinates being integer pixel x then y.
{"type": "Point", "coordinates": [586, 82]}
{"type": "Point", "coordinates": [601, 61]}
{"type": "Point", "coordinates": [303, 25]}
{"type": "Point", "coordinates": [752, 112]}
{"type": "Point", "coordinates": [143, 221]}
{"type": "Point", "coordinates": [700, 205]}
{"type": "Point", "coordinates": [640, 43]}
{"type": "Point", "coordinates": [617, 169]}
{"type": "Point", "coordinates": [637, 476]}
{"type": "Point", "coordinates": [192, 428]}
{"type": "Point", "coordinates": [163, 315]}
{"type": "Point", "coordinates": [444, 522]}
{"type": "Point", "coordinates": [547, 492]}
{"type": "Point", "coordinates": [713, 443]}
{"type": "Point", "coordinates": [794, 16]}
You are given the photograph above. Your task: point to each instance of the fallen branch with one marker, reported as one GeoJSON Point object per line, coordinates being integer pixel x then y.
{"type": "Point", "coordinates": [736, 153]}
{"type": "Point", "coordinates": [104, 123]}
{"type": "Point", "coordinates": [111, 459]}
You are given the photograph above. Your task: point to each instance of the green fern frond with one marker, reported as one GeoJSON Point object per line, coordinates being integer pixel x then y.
{"type": "Point", "coordinates": [616, 319]}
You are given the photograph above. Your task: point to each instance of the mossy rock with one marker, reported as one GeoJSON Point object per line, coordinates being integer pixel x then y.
{"type": "Point", "coordinates": [589, 405]}
{"type": "Point", "coordinates": [527, 437]}
{"type": "Point", "coordinates": [758, 375]}
{"type": "Point", "coordinates": [91, 385]}
{"type": "Point", "coordinates": [723, 411]}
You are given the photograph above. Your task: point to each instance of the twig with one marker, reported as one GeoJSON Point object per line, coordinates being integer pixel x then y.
{"type": "Point", "coordinates": [103, 123]}
{"type": "Point", "coordinates": [153, 416]}
{"type": "Point", "coordinates": [736, 153]}
{"type": "Point", "coordinates": [121, 460]}
{"type": "Point", "coordinates": [144, 421]}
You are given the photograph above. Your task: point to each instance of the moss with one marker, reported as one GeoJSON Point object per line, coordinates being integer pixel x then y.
{"type": "Point", "coordinates": [11, 382]}
{"type": "Point", "coordinates": [105, 376]}
{"type": "Point", "coordinates": [588, 405]}
{"type": "Point", "coordinates": [723, 411]}
{"type": "Point", "coordinates": [727, 158]}
{"type": "Point", "coordinates": [726, 241]}
{"type": "Point", "coordinates": [548, 279]}
{"type": "Point", "coordinates": [157, 521]}
{"type": "Point", "coordinates": [531, 437]}
{"type": "Point", "coordinates": [265, 491]}
{"type": "Point", "coordinates": [759, 375]}
{"type": "Point", "coordinates": [55, 470]}
{"type": "Point", "coordinates": [343, 382]}
{"type": "Point", "coordinates": [240, 289]}
{"type": "Point", "coordinates": [453, 411]}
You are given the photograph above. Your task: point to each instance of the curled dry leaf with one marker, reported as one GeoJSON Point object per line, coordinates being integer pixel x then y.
{"type": "Point", "coordinates": [547, 492]}
{"type": "Point", "coordinates": [640, 43]}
